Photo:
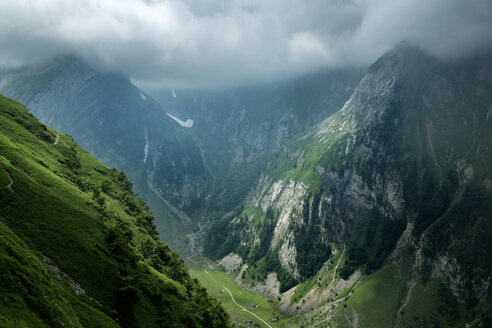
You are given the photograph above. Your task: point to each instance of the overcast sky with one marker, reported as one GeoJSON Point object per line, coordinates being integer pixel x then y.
{"type": "Point", "coordinates": [217, 43]}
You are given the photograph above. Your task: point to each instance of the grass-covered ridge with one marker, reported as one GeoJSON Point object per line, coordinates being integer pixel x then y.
{"type": "Point", "coordinates": [77, 247]}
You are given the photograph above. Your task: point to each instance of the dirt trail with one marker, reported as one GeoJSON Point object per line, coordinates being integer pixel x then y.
{"type": "Point", "coordinates": [11, 182]}
{"type": "Point", "coordinates": [57, 139]}
{"type": "Point", "coordinates": [336, 267]}
{"type": "Point", "coordinates": [232, 297]}
{"type": "Point", "coordinates": [330, 310]}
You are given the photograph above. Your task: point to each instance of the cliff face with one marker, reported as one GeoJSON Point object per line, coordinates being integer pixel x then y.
{"type": "Point", "coordinates": [238, 130]}
{"type": "Point", "coordinates": [257, 120]}
{"type": "Point", "coordinates": [398, 163]}
{"type": "Point", "coordinates": [184, 172]}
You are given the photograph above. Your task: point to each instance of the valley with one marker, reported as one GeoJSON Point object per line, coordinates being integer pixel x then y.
{"type": "Point", "coordinates": [344, 198]}
{"type": "Point", "coordinates": [245, 163]}
{"type": "Point", "coordinates": [237, 301]}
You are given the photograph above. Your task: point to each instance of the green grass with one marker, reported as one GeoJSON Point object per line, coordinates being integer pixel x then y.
{"type": "Point", "coordinates": [21, 304]}
{"type": "Point", "coordinates": [423, 305]}
{"type": "Point", "coordinates": [215, 280]}
{"type": "Point", "coordinates": [378, 297]}
{"type": "Point", "coordinates": [256, 213]}
{"type": "Point", "coordinates": [302, 289]}
{"type": "Point", "coordinates": [66, 205]}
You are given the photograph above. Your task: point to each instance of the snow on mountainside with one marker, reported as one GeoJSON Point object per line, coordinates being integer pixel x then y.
{"type": "Point", "coordinates": [186, 124]}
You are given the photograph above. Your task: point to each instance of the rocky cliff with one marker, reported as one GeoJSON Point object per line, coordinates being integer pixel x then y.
{"type": "Point", "coordinates": [401, 160]}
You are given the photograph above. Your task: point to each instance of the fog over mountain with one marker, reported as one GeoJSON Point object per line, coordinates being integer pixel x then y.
{"type": "Point", "coordinates": [320, 163]}
{"type": "Point", "coordinates": [217, 43]}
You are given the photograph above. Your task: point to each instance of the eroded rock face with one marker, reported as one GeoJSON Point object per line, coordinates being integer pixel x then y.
{"type": "Point", "coordinates": [287, 255]}
{"type": "Point", "coordinates": [249, 122]}
{"type": "Point", "coordinates": [269, 288]}
{"type": "Point", "coordinates": [286, 197]}
{"type": "Point", "coordinates": [449, 271]}
{"type": "Point", "coordinates": [231, 262]}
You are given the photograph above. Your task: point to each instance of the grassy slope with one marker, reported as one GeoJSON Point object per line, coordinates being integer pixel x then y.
{"type": "Point", "coordinates": [376, 299]}
{"type": "Point", "coordinates": [215, 281]}
{"type": "Point", "coordinates": [33, 297]}
{"type": "Point", "coordinates": [67, 206]}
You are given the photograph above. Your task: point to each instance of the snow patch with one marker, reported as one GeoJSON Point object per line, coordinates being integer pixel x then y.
{"type": "Point", "coordinates": [187, 124]}
{"type": "Point", "coordinates": [143, 96]}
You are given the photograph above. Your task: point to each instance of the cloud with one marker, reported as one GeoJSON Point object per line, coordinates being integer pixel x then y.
{"type": "Point", "coordinates": [217, 43]}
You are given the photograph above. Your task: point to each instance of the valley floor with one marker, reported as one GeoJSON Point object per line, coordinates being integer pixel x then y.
{"type": "Point", "coordinates": [236, 300]}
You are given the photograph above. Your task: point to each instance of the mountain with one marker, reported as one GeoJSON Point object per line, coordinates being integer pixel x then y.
{"type": "Point", "coordinates": [77, 248]}
{"type": "Point", "coordinates": [239, 129]}
{"type": "Point", "coordinates": [356, 200]}
{"type": "Point", "coordinates": [124, 128]}
{"type": "Point", "coordinates": [257, 120]}
{"type": "Point", "coordinates": [382, 210]}
{"type": "Point", "coordinates": [193, 157]}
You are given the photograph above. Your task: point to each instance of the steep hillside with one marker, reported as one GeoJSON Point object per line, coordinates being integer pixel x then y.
{"type": "Point", "coordinates": [77, 248]}
{"type": "Point", "coordinates": [124, 128]}
{"type": "Point", "coordinates": [396, 186]}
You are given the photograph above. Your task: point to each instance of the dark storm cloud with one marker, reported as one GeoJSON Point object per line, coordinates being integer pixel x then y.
{"type": "Point", "coordinates": [215, 43]}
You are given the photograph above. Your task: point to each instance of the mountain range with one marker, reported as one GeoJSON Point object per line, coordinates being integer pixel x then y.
{"type": "Point", "coordinates": [355, 198]}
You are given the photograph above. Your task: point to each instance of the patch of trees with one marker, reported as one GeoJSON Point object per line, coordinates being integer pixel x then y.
{"type": "Point", "coordinates": [265, 232]}
{"type": "Point", "coordinates": [374, 238]}
{"type": "Point", "coordinates": [270, 263]}
{"type": "Point", "coordinates": [434, 201]}
{"type": "Point", "coordinates": [224, 238]}
{"type": "Point", "coordinates": [145, 299]}
{"type": "Point", "coordinates": [312, 250]}
{"type": "Point", "coordinates": [464, 231]}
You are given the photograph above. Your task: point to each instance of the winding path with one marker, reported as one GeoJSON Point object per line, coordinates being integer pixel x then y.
{"type": "Point", "coordinates": [232, 297]}
{"type": "Point", "coordinates": [336, 267]}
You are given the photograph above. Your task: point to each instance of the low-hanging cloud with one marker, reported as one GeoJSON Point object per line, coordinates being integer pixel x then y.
{"type": "Point", "coordinates": [217, 43]}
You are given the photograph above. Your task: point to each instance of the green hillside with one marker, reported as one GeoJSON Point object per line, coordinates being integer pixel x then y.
{"type": "Point", "coordinates": [123, 128]}
{"type": "Point", "coordinates": [77, 247]}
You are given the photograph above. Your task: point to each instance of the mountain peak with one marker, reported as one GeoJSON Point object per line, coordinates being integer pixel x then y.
{"type": "Point", "coordinates": [402, 58]}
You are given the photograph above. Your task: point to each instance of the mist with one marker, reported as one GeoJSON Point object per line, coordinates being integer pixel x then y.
{"type": "Point", "coordinates": [216, 43]}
